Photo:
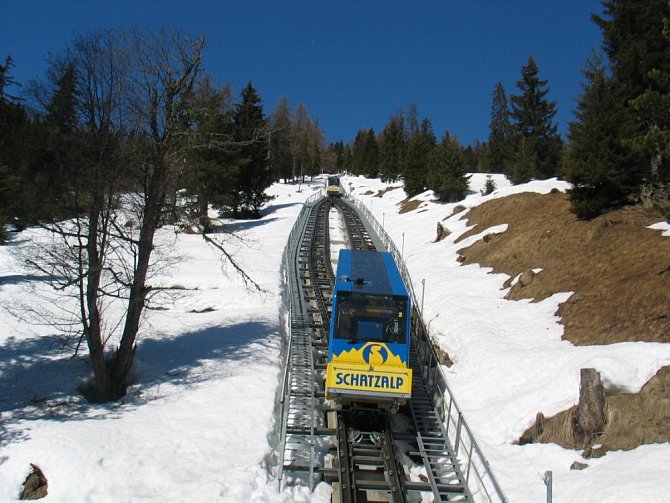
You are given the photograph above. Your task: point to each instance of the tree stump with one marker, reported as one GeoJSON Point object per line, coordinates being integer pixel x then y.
{"type": "Point", "coordinates": [441, 233]}
{"type": "Point", "coordinates": [591, 410]}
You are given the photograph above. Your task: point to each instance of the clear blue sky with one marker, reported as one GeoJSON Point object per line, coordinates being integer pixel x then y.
{"type": "Point", "coordinates": [352, 63]}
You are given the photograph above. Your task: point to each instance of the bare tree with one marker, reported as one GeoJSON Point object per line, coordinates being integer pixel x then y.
{"type": "Point", "coordinates": [166, 70]}
{"type": "Point", "coordinates": [132, 91]}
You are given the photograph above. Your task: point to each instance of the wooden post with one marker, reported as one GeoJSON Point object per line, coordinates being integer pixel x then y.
{"type": "Point", "coordinates": [591, 410]}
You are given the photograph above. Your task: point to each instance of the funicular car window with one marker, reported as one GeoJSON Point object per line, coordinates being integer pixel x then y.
{"type": "Point", "coordinates": [371, 318]}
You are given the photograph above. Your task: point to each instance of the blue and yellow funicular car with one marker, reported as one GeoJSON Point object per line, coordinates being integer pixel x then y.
{"type": "Point", "coordinates": [333, 187]}
{"type": "Point", "coordinates": [368, 352]}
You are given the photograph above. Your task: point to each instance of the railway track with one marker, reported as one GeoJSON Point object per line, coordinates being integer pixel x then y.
{"type": "Point", "coordinates": [364, 455]}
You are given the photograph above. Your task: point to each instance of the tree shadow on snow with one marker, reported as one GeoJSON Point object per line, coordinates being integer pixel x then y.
{"type": "Point", "coordinates": [243, 225]}
{"type": "Point", "coordinates": [272, 208]}
{"type": "Point", "coordinates": [39, 382]}
{"type": "Point", "coordinates": [199, 356]}
{"type": "Point", "coordinates": [15, 279]}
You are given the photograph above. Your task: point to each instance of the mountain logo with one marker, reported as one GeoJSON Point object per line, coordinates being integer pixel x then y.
{"type": "Point", "coordinates": [375, 354]}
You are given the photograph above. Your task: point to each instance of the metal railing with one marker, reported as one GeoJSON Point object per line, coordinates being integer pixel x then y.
{"type": "Point", "coordinates": [289, 299]}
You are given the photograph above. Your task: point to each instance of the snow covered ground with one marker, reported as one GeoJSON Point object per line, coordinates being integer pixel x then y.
{"type": "Point", "coordinates": [195, 427]}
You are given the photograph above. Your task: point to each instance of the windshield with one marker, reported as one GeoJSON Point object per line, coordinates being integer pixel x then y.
{"type": "Point", "coordinates": [371, 318]}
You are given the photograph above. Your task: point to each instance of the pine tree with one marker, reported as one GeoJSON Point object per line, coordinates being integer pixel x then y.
{"type": "Point", "coordinates": [412, 122]}
{"type": "Point", "coordinates": [538, 156]}
{"type": "Point", "coordinates": [419, 149]}
{"type": "Point", "coordinates": [391, 150]}
{"type": "Point", "coordinates": [475, 157]}
{"type": "Point", "coordinates": [636, 39]}
{"type": "Point", "coordinates": [6, 80]}
{"type": "Point", "coordinates": [595, 155]}
{"type": "Point", "coordinates": [489, 186]}
{"type": "Point", "coordinates": [14, 130]}
{"type": "Point", "coordinates": [254, 174]}
{"type": "Point", "coordinates": [338, 150]}
{"type": "Point", "coordinates": [500, 145]}
{"type": "Point", "coordinates": [371, 163]}
{"type": "Point", "coordinates": [211, 177]}
{"type": "Point", "coordinates": [363, 152]}
{"type": "Point", "coordinates": [347, 159]}
{"type": "Point", "coordinates": [447, 175]}
{"type": "Point", "coordinates": [59, 158]}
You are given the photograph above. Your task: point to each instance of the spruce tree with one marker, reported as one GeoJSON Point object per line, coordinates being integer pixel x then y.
{"type": "Point", "coordinates": [596, 157]}
{"type": "Point", "coordinates": [211, 177]}
{"type": "Point", "coordinates": [489, 186]}
{"type": "Point", "coordinates": [500, 145]}
{"type": "Point", "coordinates": [371, 163]}
{"type": "Point", "coordinates": [419, 149]}
{"type": "Point", "coordinates": [60, 150]}
{"type": "Point", "coordinates": [637, 41]}
{"type": "Point", "coordinates": [15, 132]}
{"type": "Point", "coordinates": [412, 122]}
{"type": "Point", "coordinates": [539, 154]}
{"type": "Point", "coordinates": [347, 159]}
{"type": "Point", "coordinates": [391, 150]}
{"type": "Point", "coordinates": [447, 175]}
{"type": "Point", "coordinates": [6, 80]}
{"type": "Point", "coordinates": [338, 150]}
{"type": "Point", "coordinates": [474, 157]}
{"type": "Point", "coordinates": [254, 174]}
{"type": "Point", "coordinates": [365, 153]}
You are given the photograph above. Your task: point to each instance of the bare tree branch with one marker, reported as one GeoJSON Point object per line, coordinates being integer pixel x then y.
{"type": "Point", "coordinates": [245, 277]}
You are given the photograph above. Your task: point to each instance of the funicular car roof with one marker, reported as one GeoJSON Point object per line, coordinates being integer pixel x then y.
{"type": "Point", "coordinates": [376, 270]}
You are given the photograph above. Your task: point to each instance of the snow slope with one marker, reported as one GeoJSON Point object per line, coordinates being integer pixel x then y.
{"type": "Point", "coordinates": [195, 427]}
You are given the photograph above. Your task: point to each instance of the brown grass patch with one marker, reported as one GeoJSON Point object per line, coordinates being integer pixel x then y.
{"type": "Point", "coordinates": [632, 420]}
{"type": "Point", "coordinates": [618, 269]}
{"type": "Point", "coordinates": [619, 272]}
{"type": "Point", "coordinates": [407, 205]}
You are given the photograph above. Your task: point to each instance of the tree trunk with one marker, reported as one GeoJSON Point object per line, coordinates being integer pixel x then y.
{"type": "Point", "coordinates": [591, 410]}
{"type": "Point", "coordinates": [203, 212]}
{"type": "Point", "coordinates": [123, 360]}
{"type": "Point", "coordinates": [99, 392]}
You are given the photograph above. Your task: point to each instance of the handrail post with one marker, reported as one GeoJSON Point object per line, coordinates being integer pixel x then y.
{"type": "Point", "coordinates": [458, 432]}
{"type": "Point", "coordinates": [548, 479]}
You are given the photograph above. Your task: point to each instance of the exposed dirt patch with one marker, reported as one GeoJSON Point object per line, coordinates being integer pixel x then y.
{"type": "Point", "coordinates": [619, 272]}
{"type": "Point", "coordinates": [407, 205]}
{"type": "Point", "coordinates": [459, 208]}
{"type": "Point", "coordinates": [618, 269]}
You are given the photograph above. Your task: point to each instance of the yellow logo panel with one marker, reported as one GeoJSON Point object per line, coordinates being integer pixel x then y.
{"type": "Point", "coordinates": [377, 378]}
